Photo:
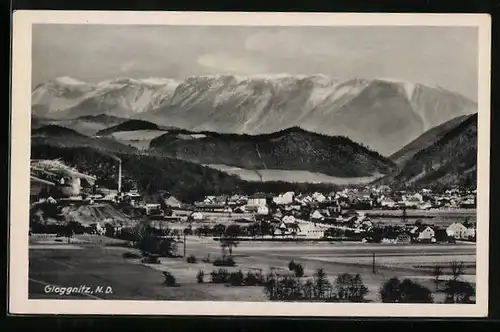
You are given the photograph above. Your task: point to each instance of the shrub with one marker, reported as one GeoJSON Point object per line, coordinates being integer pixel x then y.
{"type": "Point", "coordinates": [220, 276]}
{"type": "Point", "coordinates": [226, 261]}
{"type": "Point", "coordinates": [459, 292]}
{"type": "Point", "coordinates": [191, 259]}
{"type": "Point", "coordinates": [236, 278]}
{"type": "Point", "coordinates": [151, 259]}
{"type": "Point", "coordinates": [169, 279]}
{"type": "Point", "coordinates": [254, 279]}
{"type": "Point", "coordinates": [132, 255]}
{"type": "Point", "coordinates": [407, 291]}
{"type": "Point", "coordinates": [299, 270]}
{"type": "Point", "coordinates": [200, 277]}
{"type": "Point", "coordinates": [292, 265]}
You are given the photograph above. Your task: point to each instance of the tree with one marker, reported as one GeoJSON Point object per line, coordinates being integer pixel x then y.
{"type": "Point", "coordinates": [459, 291]}
{"type": "Point", "coordinates": [407, 291]}
{"type": "Point", "coordinates": [321, 283]}
{"type": "Point", "coordinates": [350, 287]}
{"type": "Point", "coordinates": [390, 291]}
{"type": "Point", "coordinates": [437, 272]}
{"type": "Point", "coordinates": [233, 231]}
{"type": "Point", "coordinates": [457, 269]}
{"type": "Point", "coordinates": [228, 243]}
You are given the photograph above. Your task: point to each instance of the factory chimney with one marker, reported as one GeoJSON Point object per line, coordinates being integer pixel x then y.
{"type": "Point", "coordinates": [120, 176]}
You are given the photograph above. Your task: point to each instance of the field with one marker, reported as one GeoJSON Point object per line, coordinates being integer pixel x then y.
{"type": "Point", "coordinates": [439, 217]}
{"type": "Point", "coordinates": [289, 176]}
{"type": "Point", "coordinates": [139, 139]}
{"type": "Point", "coordinates": [94, 263]}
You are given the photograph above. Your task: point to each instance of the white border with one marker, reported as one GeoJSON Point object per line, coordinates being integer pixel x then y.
{"type": "Point", "coordinates": [20, 156]}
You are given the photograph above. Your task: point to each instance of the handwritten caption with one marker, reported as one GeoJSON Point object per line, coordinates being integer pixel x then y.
{"type": "Point", "coordinates": [82, 289]}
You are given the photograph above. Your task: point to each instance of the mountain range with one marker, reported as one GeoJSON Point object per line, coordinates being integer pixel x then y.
{"type": "Point", "coordinates": [385, 115]}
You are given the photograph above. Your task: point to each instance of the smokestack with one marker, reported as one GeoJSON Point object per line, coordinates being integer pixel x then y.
{"type": "Point", "coordinates": [120, 176]}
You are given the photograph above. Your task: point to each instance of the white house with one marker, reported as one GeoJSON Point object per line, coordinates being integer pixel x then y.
{"type": "Point", "coordinates": [459, 231]}
{"type": "Point", "coordinates": [197, 216]}
{"type": "Point", "coordinates": [318, 197]}
{"type": "Point", "coordinates": [308, 230]}
{"type": "Point", "coordinates": [286, 198]}
{"type": "Point", "coordinates": [262, 210]}
{"type": "Point", "coordinates": [387, 202]}
{"type": "Point", "coordinates": [257, 201]}
{"type": "Point", "coordinates": [426, 234]}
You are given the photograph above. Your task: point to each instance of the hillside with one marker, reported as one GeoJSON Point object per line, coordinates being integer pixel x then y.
{"type": "Point", "coordinates": [86, 125]}
{"type": "Point", "coordinates": [58, 136]}
{"type": "Point", "coordinates": [129, 125]}
{"type": "Point", "coordinates": [290, 149]}
{"type": "Point", "coordinates": [451, 160]}
{"type": "Point", "coordinates": [425, 140]}
{"type": "Point", "coordinates": [152, 174]}
{"type": "Point", "coordinates": [384, 114]}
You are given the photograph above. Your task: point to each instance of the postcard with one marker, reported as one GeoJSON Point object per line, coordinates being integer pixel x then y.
{"type": "Point", "coordinates": [250, 164]}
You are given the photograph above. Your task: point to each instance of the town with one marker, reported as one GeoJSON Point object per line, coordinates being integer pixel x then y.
{"type": "Point", "coordinates": [370, 214]}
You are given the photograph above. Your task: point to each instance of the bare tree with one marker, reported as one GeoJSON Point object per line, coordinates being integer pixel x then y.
{"type": "Point", "coordinates": [437, 272]}
{"type": "Point", "coordinates": [457, 269]}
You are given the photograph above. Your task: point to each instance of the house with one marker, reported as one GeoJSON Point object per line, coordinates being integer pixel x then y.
{"type": "Point", "coordinates": [171, 201]}
{"type": "Point", "coordinates": [257, 200]}
{"type": "Point", "coordinates": [287, 229]}
{"type": "Point", "coordinates": [426, 234]}
{"type": "Point", "coordinates": [308, 230]}
{"type": "Point", "coordinates": [316, 215]}
{"type": "Point", "coordinates": [151, 208]}
{"type": "Point", "coordinates": [387, 202]}
{"type": "Point", "coordinates": [425, 206]}
{"type": "Point", "coordinates": [283, 199]}
{"type": "Point", "coordinates": [319, 197]}
{"type": "Point", "coordinates": [457, 230]}
{"type": "Point", "coordinates": [196, 216]}
{"type": "Point", "coordinates": [262, 210]}
{"type": "Point", "coordinates": [403, 238]}
{"type": "Point", "coordinates": [213, 207]}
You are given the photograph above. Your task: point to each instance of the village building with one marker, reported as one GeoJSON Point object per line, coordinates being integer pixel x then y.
{"type": "Point", "coordinates": [460, 232]}
{"type": "Point", "coordinates": [288, 219]}
{"type": "Point", "coordinates": [196, 216]}
{"type": "Point", "coordinates": [284, 199]}
{"type": "Point", "coordinates": [259, 200]}
{"type": "Point", "coordinates": [171, 201]}
{"type": "Point", "coordinates": [425, 234]}
{"type": "Point", "coordinates": [403, 238]}
{"type": "Point", "coordinates": [386, 202]}
{"type": "Point", "coordinates": [317, 216]}
{"type": "Point", "coordinates": [319, 197]}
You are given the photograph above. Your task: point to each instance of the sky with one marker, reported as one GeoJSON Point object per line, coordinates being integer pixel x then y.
{"type": "Point", "coordinates": [434, 56]}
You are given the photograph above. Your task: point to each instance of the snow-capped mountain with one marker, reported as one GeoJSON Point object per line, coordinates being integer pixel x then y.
{"type": "Point", "coordinates": [69, 98]}
{"type": "Point", "coordinates": [384, 114]}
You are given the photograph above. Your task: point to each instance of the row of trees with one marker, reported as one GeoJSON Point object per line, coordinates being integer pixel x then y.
{"type": "Point", "coordinates": [347, 287]}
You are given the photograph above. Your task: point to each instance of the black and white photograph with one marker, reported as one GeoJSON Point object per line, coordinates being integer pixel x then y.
{"type": "Point", "coordinates": [250, 163]}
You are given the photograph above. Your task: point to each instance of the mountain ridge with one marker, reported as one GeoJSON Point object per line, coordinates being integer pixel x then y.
{"type": "Point", "coordinates": [290, 149]}
{"type": "Point", "coordinates": [385, 114]}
